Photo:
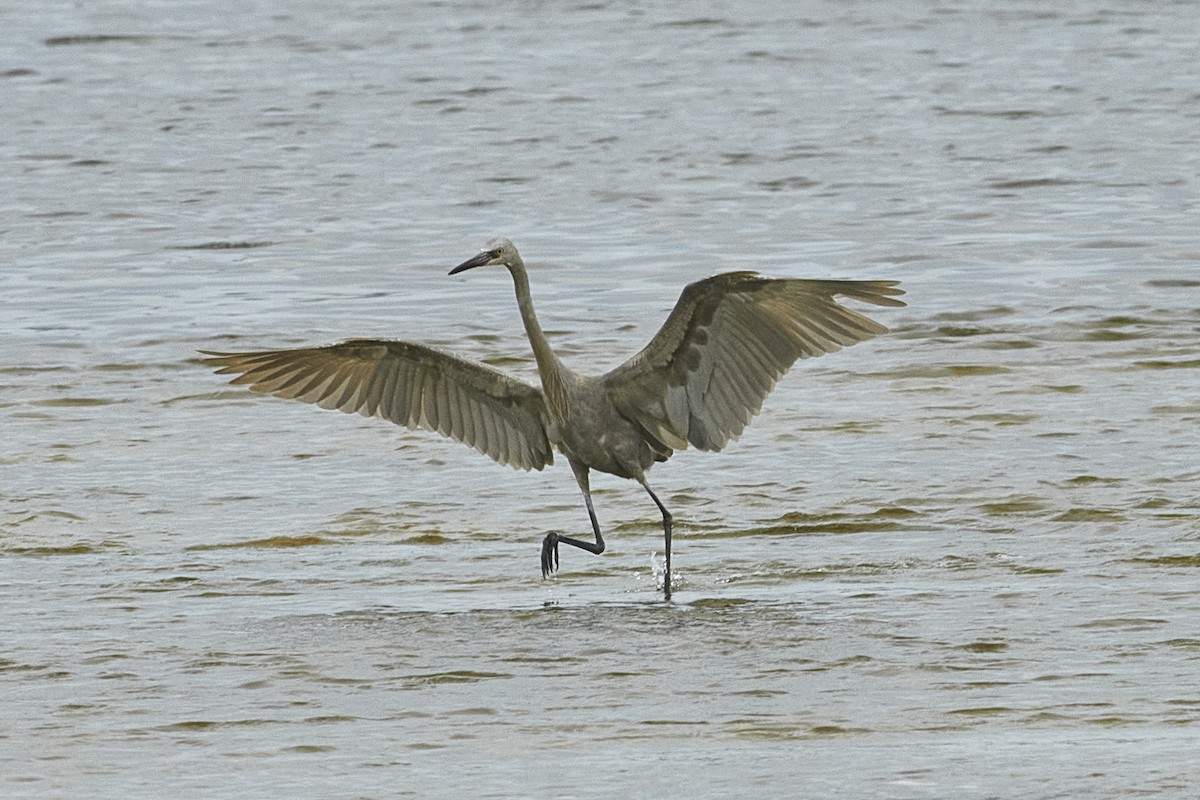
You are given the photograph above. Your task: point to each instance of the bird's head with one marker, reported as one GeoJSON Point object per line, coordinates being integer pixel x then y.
{"type": "Point", "coordinates": [496, 251]}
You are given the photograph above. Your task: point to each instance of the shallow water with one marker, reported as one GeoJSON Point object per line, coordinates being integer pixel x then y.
{"type": "Point", "coordinates": [959, 560]}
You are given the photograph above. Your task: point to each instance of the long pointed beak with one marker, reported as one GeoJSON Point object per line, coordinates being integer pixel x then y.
{"type": "Point", "coordinates": [471, 263]}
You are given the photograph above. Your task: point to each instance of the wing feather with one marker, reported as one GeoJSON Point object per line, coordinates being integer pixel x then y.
{"type": "Point", "coordinates": [728, 340]}
{"type": "Point", "coordinates": [442, 402]}
{"type": "Point", "coordinates": [467, 421]}
{"type": "Point", "coordinates": [373, 395]}
{"type": "Point", "coordinates": [482, 440]}
{"type": "Point", "coordinates": [411, 388]}
{"type": "Point", "coordinates": [408, 384]}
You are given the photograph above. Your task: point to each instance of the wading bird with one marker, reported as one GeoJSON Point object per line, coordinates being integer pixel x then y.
{"type": "Point", "coordinates": [698, 382]}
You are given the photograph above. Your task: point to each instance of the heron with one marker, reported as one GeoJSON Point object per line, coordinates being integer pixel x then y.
{"type": "Point", "coordinates": [698, 382]}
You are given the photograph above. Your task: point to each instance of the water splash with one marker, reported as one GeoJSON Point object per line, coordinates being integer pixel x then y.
{"type": "Point", "coordinates": [658, 571]}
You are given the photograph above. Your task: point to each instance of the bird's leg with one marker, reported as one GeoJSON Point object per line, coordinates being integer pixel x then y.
{"type": "Point", "coordinates": [552, 540]}
{"type": "Point", "coordinates": [666, 537]}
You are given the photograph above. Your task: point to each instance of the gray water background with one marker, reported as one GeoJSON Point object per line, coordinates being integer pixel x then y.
{"type": "Point", "coordinates": [959, 561]}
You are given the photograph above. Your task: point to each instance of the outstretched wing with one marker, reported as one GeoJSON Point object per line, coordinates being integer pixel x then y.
{"type": "Point", "coordinates": [705, 374]}
{"type": "Point", "coordinates": [409, 384]}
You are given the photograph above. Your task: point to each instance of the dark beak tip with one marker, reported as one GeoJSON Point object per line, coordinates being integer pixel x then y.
{"type": "Point", "coordinates": [477, 261]}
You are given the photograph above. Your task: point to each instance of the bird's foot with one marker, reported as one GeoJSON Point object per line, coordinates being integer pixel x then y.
{"type": "Point", "coordinates": [549, 554]}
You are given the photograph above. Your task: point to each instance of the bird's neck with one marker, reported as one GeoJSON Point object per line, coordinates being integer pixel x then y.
{"type": "Point", "coordinates": [549, 367]}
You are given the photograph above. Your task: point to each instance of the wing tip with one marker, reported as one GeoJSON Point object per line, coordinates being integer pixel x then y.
{"type": "Point", "coordinates": [887, 293]}
{"type": "Point", "coordinates": [880, 293]}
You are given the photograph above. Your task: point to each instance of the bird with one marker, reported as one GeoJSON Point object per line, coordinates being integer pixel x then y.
{"type": "Point", "coordinates": [698, 382]}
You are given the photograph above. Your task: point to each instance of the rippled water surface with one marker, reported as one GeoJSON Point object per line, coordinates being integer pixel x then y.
{"type": "Point", "coordinates": [960, 560]}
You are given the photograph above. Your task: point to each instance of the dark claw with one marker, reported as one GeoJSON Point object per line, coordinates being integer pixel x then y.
{"type": "Point", "coordinates": [549, 554]}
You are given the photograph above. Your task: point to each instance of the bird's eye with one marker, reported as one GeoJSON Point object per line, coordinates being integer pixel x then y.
{"type": "Point", "coordinates": [495, 254]}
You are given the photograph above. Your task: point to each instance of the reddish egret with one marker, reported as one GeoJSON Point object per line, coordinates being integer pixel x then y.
{"type": "Point", "coordinates": [698, 382]}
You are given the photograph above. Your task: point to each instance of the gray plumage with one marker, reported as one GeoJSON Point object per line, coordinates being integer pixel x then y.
{"type": "Point", "coordinates": [698, 382]}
